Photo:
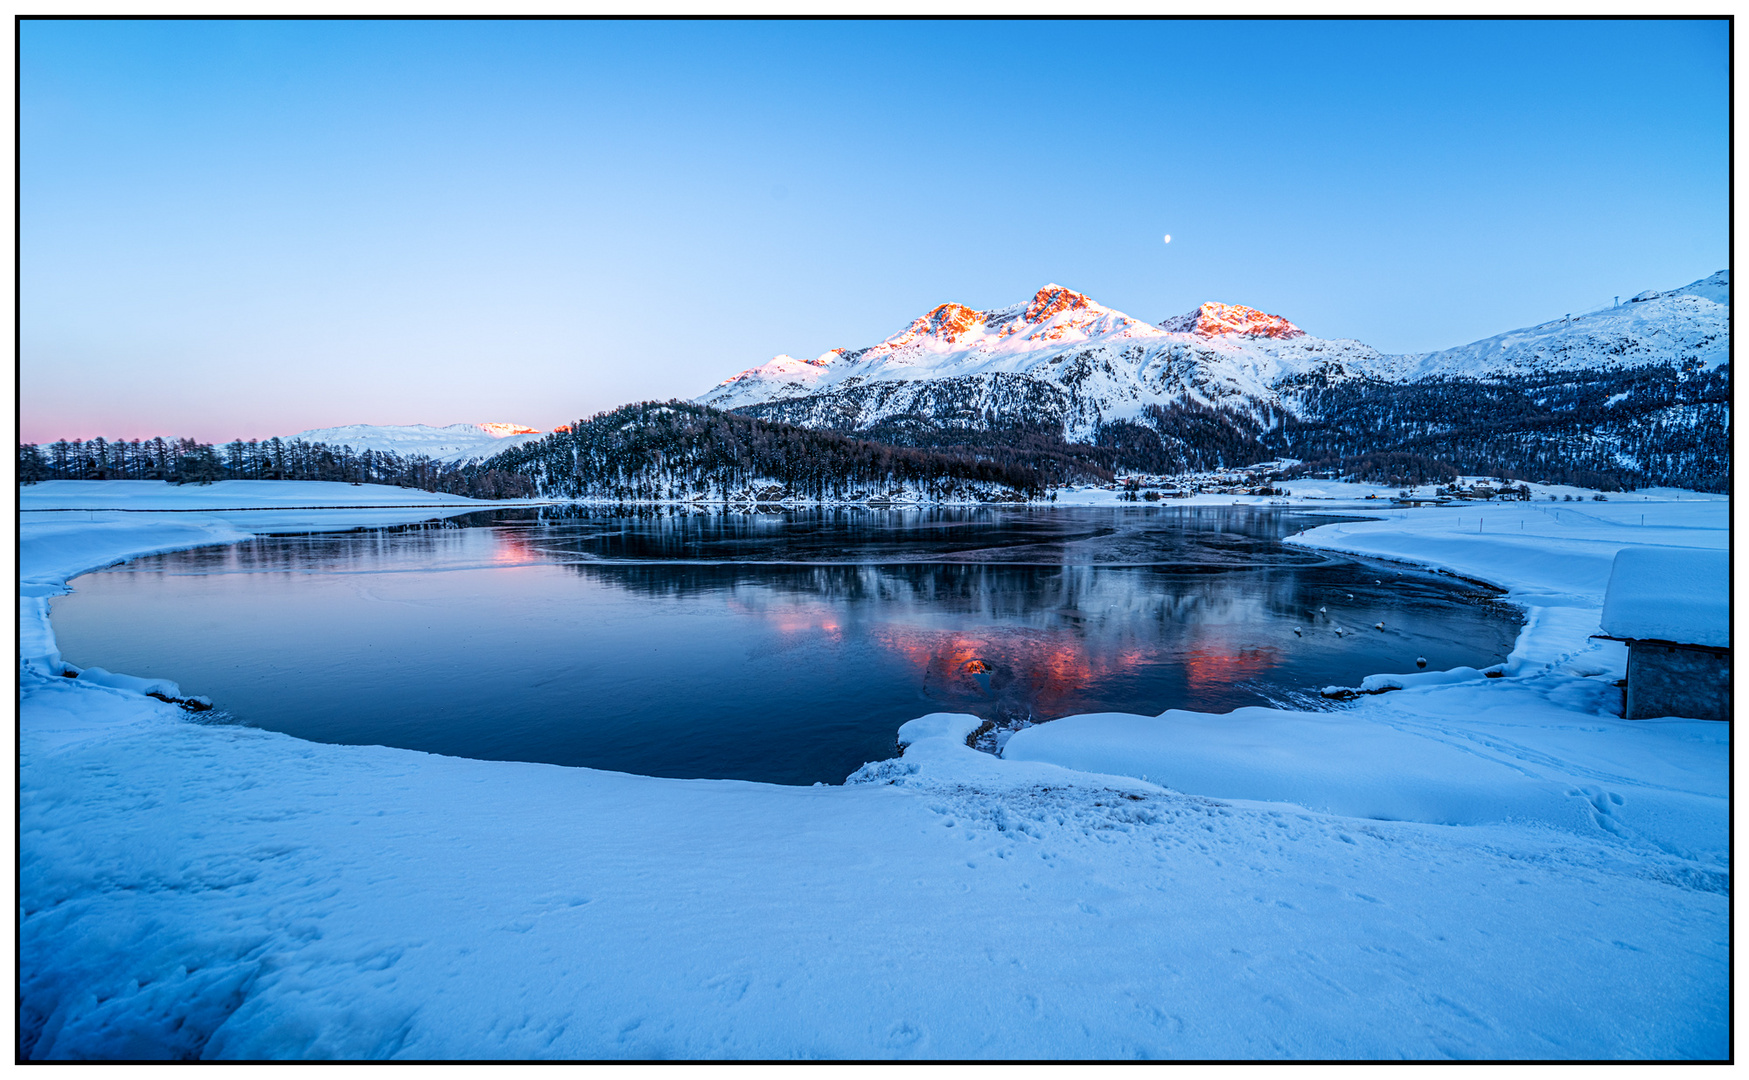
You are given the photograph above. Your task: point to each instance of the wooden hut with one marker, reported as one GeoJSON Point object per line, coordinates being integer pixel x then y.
{"type": "Point", "coordinates": [1672, 606]}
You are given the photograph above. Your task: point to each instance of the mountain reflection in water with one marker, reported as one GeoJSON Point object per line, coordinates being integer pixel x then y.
{"type": "Point", "coordinates": [781, 648]}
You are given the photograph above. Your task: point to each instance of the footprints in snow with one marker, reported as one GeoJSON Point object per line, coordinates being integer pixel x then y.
{"type": "Point", "coordinates": [1604, 805]}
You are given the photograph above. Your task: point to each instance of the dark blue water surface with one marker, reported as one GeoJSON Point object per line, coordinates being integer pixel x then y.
{"type": "Point", "coordinates": [778, 647]}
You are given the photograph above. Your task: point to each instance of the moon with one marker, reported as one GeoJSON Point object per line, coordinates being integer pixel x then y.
{"type": "Point", "coordinates": [1168, 238]}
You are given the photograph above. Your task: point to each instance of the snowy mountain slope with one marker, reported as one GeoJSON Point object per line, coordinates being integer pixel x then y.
{"type": "Point", "coordinates": [451, 443]}
{"type": "Point", "coordinates": [1090, 365]}
{"type": "Point", "coordinates": [1097, 363]}
{"type": "Point", "coordinates": [1690, 325]}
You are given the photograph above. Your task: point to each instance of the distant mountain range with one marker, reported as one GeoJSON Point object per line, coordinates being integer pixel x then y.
{"type": "Point", "coordinates": [453, 443]}
{"type": "Point", "coordinates": [1630, 395]}
{"type": "Point", "coordinates": [1637, 392]}
{"type": "Point", "coordinates": [1088, 364]}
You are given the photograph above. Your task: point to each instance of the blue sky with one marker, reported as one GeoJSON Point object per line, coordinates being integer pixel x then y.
{"type": "Point", "coordinates": [247, 229]}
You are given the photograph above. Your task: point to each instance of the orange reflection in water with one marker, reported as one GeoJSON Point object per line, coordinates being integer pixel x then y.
{"type": "Point", "coordinates": [512, 546]}
{"type": "Point", "coordinates": [1020, 674]}
{"type": "Point", "coordinates": [1045, 677]}
{"type": "Point", "coordinates": [1207, 668]}
{"type": "Point", "coordinates": [806, 622]}
{"type": "Point", "coordinates": [817, 620]}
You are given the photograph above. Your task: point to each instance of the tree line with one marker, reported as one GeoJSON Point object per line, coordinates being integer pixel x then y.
{"type": "Point", "coordinates": [679, 450]}
{"type": "Point", "coordinates": [189, 461]}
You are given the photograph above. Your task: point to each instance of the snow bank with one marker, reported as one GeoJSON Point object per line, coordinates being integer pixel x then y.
{"type": "Point", "coordinates": [225, 892]}
{"type": "Point", "coordinates": [1448, 757]}
{"type": "Point", "coordinates": [1457, 747]}
{"type": "Point", "coordinates": [97, 676]}
{"type": "Point", "coordinates": [1271, 885]}
{"type": "Point", "coordinates": [1670, 594]}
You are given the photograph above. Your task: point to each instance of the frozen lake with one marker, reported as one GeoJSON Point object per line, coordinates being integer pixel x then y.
{"type": "Point", "coordinates": [781, 647]}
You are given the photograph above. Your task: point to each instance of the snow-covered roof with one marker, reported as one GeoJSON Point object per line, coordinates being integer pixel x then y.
{"type": "Point", "coordinates": [1670, 594]}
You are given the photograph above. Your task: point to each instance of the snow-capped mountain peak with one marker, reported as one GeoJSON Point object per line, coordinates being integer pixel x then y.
{"type": "Point", "coordinates": [1059, 357]}
{"type": "Point", "coordinates": [1055, 326]}
{"type": "Point", "coordinates": [1053, 299]}
{"type": "Point", "coordinates": [1056, 334]}
{"type": "Point", "coordinates": [1053, 314]}
{"type": "Point", "coordinates": [1058, 314]}
{"type": "Point", "coordinates": [1213, 319]}
{"type": "Point", "coordinates": [949, 322]}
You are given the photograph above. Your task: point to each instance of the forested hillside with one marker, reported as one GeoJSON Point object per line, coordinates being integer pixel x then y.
{"type": "Point", "coordinates": [1612, 428]}
{"type": "Point", "coordinates": [1181, 437]}
{"type": "Point", "coordinates": [1660, 424]}
{"type": "Point", "coordinates": [680, 450]}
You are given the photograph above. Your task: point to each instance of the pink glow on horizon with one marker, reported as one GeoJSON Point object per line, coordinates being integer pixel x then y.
{"type": "Point", "coordinates": [43, 432]}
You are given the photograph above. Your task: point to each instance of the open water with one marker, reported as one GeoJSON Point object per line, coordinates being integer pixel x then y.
{"type": "Point", "coordinates": [785, 648]}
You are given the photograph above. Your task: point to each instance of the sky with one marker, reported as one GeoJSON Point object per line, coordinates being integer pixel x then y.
{"type": "Point", "coordinates": [246, 229]}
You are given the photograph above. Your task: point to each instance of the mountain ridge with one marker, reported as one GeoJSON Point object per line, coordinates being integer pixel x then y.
{"type": "Point", "coordinates": [1061, 361]}
{"type": "Point", "coordinates": [1220, 349]}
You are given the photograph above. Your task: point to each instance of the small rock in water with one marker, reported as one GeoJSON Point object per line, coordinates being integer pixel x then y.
{"type": "Point", "coordinates": [1322, 610]}
{"type": "Point", "coordinates": [1297, 632]}
{"type": "Point", "coordinates": [1378, 626]}
{"type": "Point", "coordinates": [1421, 661]}
{"type": "Point", "coordinates": [1339, 631]}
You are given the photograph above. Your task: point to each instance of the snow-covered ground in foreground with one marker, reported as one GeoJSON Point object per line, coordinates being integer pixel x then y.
{"type": "Point", "coordinates": [1466, 867]}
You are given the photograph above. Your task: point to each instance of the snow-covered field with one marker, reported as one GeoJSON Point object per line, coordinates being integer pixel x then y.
{"type": "Point", "coordinates": [1462, 868]}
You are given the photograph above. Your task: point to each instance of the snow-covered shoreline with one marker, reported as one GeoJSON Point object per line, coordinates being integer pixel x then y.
{"type": "Point", "coordinates": [1466, 868]}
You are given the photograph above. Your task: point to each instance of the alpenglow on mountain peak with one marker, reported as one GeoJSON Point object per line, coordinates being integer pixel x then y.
{"type": "Point", "coordinates": [1053, 317]}
{"type": "Point", "coordinates": [953, 323]}
{"type": "Point", "coordinates": [1062, 360]}
{"type": "Point", "coordinates": [1211, 319]}
{"type": "Point", "coordinates": [1053, 334]}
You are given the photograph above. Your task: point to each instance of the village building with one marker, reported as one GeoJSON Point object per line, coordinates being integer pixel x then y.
{"type": "Point", "coordinates": [1672, 606]}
